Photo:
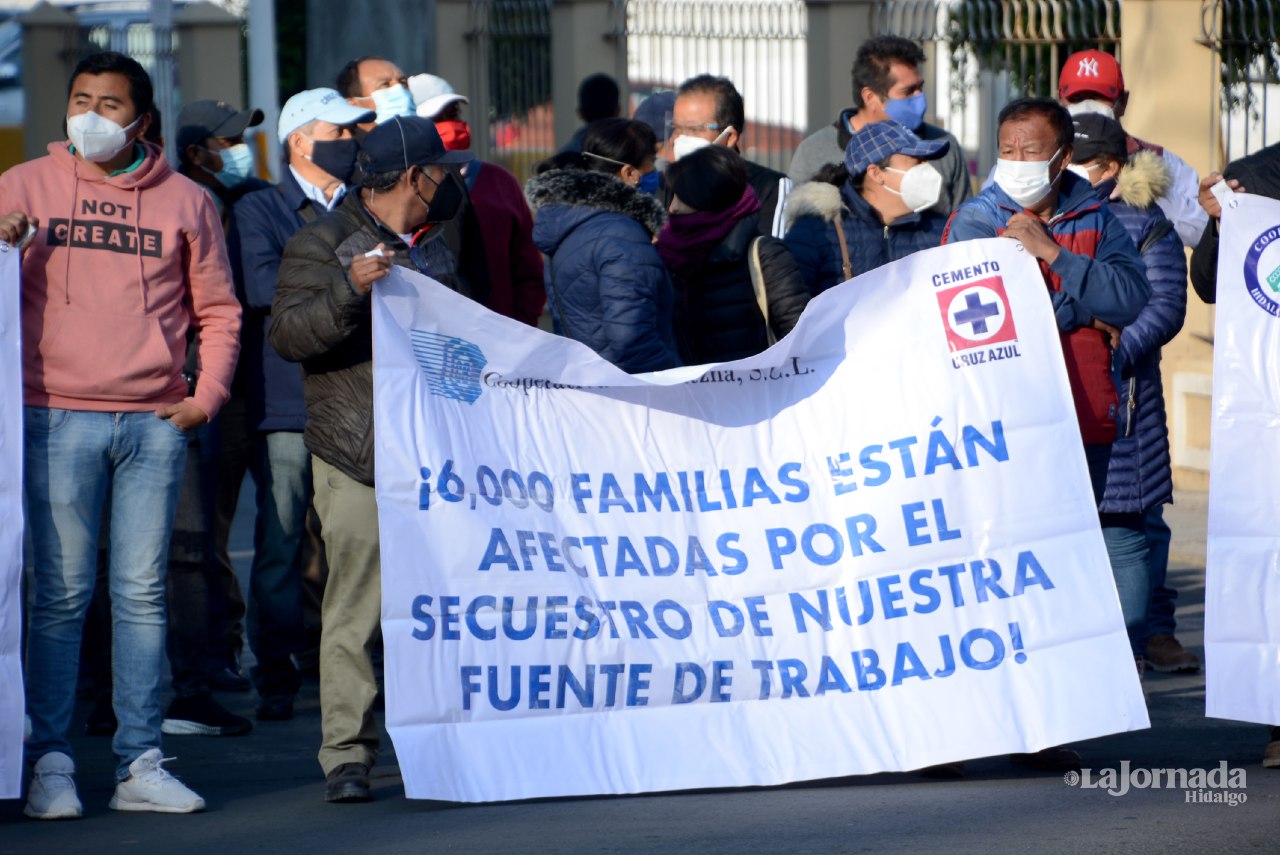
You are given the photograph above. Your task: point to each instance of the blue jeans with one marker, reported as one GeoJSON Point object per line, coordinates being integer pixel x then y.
{"type": "Point", "coordinates": [73, 461]}
{"type": "Point", "coordinates": [1160, 619]}
{"type": "Point", "coordinates": [281, 469]}
{"type": "Point", "coordinates": [1126, 539]}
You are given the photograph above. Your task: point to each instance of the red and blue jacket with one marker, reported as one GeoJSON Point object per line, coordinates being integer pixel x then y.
{"type": "Point", "coordinates": [1098, 274]}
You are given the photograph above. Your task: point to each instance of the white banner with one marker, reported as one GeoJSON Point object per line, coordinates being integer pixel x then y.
{"type": "Point", "coordinates": [873, 547]}
{"type": "Point", "coordinates": [1242, 574]}
{"type": "Point", "coordinates": [11, 693]}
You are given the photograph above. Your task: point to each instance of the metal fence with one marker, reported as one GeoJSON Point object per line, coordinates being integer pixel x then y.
{"type": "Point", "coordinates": [511, 60]}
{"type": "Point", "coordinates": [758, 44]}
{"type": "Point", "coordinates": [1245, 38]}
{"type": "Point", "coordinates": [985, 53]}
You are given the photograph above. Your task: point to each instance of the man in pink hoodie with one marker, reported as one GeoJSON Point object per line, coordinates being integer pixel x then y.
{"type": "Point", "coordinates": [122, 259]}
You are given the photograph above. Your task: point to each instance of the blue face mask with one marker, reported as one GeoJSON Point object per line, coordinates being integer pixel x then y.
{"type": "Point", "coordinates": [649, 183]}
{"type": "Point", "coordinates": [391, 102]}
{"type": "Point", "coordinates": [237, 165]}
{"type": "Point", "coordinates": [908, 112]}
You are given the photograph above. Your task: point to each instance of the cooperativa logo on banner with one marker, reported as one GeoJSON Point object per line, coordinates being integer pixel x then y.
{"type": "Point", "coordinates": [1262, 271]}
{"type": "Point", "coordinates": [451, 365]}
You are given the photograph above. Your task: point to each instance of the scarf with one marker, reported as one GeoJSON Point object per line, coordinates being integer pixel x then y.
{"type": "Point", "coordinates": [687, 239]}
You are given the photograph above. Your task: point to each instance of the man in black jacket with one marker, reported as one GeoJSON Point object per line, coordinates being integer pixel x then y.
{"type": "Point", "coordinates": [709, 110]}
{"type": "Point", "coordinates": [1258, 173]}
{"type": "Point", "coordinates": [321, 317]}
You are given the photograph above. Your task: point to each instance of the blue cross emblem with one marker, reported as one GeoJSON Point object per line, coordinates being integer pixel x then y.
{"type": "Point", "coordinates": [976, 313]}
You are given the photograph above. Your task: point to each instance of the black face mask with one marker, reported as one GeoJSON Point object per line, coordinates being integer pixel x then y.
{"type": "Point", "coordinates": [336, 157]}
{"type": "Point", "coordinates": [445, 204]}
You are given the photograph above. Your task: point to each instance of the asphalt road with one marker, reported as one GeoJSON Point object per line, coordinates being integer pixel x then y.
{"type": "Point", "coordinates": [265, 794]}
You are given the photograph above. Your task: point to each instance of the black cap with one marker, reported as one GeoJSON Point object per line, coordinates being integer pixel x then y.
{"type": "Point", "coordinates": [1097, 136]}
{"type": "Point", "coordinates": [405, 141]}
{"type": "Point", "coordinates": [655, 111]}
{"type": "Point", "coordinates": [200, 120]}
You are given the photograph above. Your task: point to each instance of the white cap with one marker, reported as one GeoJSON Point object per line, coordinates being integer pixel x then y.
{"type": "Point", "coordinates": [323, 104]}
{"type": "Point", "coordinates": [432, 94]}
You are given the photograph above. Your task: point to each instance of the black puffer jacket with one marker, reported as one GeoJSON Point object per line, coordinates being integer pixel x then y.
{"type": "Point", "coordinates": [1259, 173]}
{"type": "Point", "coordinates": [319, 319]}
{"type": "Point", "coordinates": [719, 319]}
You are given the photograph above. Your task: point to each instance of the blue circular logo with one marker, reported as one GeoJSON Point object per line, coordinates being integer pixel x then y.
{"type": "Point", "coordinates": [1262, 271]}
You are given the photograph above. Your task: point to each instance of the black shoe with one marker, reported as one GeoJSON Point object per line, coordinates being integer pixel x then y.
{"type": "Point", "coordinates": [1056, 759]}
{"type": "Point", "coordinates": [348, 783]}
{"type": "Point", "coordinates": [102, 719]}
{"type": "Point", "coordinates": [201, 715]}
{"type": "Point", "coordinates": [275, 708]}
{"type": "Point", "coordinates": [308, 663]}
{"type": "Point", "coordinates": [944, 771]}
{"type": "Point", "coordinates": [229, 680]}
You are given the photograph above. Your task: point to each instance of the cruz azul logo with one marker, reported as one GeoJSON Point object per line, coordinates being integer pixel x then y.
{"type": "Point", "coordinates": [978, 323]}
{"type": "Point", "coordinates": [451, 365]}
{"type": "Point", "coordinates": [1262, 271]}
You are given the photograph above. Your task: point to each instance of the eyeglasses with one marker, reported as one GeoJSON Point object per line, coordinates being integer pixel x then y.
{"type": "Point", "coordinates": [690, 130]}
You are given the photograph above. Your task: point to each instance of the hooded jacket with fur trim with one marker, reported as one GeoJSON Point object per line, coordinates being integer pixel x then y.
{"type": "Point", "coordinates": [814, 212]}
{"type": "Point", "coordinates": [1138, 474]}
{"type": "Point", "coordinates": [121, 266]}
{"type": "Point", "coordinates": [606, 284]}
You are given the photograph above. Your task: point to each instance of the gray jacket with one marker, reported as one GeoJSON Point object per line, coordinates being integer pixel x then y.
{"type": "Point", "coordinates": [828, 144]}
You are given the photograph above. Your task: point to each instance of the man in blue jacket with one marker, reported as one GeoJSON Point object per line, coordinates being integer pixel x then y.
{"type": "Point", "coordinates": [315, 130]}
{"type": "Point", "coordinates": [1096, 279]}
{"type": "Point", "coordinates": [1097, 282]}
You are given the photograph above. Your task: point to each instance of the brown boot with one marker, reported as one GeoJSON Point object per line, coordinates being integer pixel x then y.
{"type": "Point", "coordinates": [1166, 655]}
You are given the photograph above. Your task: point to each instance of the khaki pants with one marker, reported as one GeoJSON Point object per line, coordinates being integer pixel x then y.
{"type": "Point", "coordinates": [350, 613]}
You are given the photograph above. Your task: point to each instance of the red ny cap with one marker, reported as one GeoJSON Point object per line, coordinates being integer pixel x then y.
{"type": "Point", "coordinates": [1091, 72]}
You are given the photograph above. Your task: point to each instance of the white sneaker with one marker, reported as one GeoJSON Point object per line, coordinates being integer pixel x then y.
{"type": "Point", "coordinates": [150, 788]}
{"type": "Point", "coordinates": [52, 794]}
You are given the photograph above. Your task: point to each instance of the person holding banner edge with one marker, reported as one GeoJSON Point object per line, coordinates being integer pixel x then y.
{"type": "Point", "coordinates": [321, 317]}
{"type": "Point", "coordinates": [1257, 173]}
{"type": "Point", "coordinates": [1096, 280]}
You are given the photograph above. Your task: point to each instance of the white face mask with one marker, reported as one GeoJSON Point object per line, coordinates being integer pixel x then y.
{"type": "Point", "coordinates": [391, 102]}
{"type": "Point", "coordinates": [97, 138]}
{"type": "Point", "coordinates": [1026, 182]}
{"type": "Point", "coordinates": [1101, 108]}
{"type": "Point", "coordinates": [921, 186]}
{"type": "Point", "coordinates": [686, 144]}
{"type": "Point", "coordinates": [1082, 171]}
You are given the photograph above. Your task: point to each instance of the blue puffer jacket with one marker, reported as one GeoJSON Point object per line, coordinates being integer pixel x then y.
{"type": "Point", "coordinates": [606, 284]}
{"type": "Point", "coordinates": [812, 212]}
{"type": "Point", "coordinates": [1139, 475]}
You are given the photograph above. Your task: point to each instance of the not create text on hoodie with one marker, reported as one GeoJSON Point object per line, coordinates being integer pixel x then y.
{"type": "Point", "coordinates": [121, 267]}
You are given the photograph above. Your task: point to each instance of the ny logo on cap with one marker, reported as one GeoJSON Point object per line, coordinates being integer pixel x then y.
{"type": "Point", "coordinates": [1088, 68]}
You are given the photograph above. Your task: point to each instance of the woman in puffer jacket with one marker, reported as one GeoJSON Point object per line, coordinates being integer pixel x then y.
{"type": "Point", "coordinates": [606, 284]}
{"type": "Point", "coordinates": [711, 245]}
{"type": "Point", "coordinates": [874, 209]}
{"type": "Point", "coordinates": [1139, 478]}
